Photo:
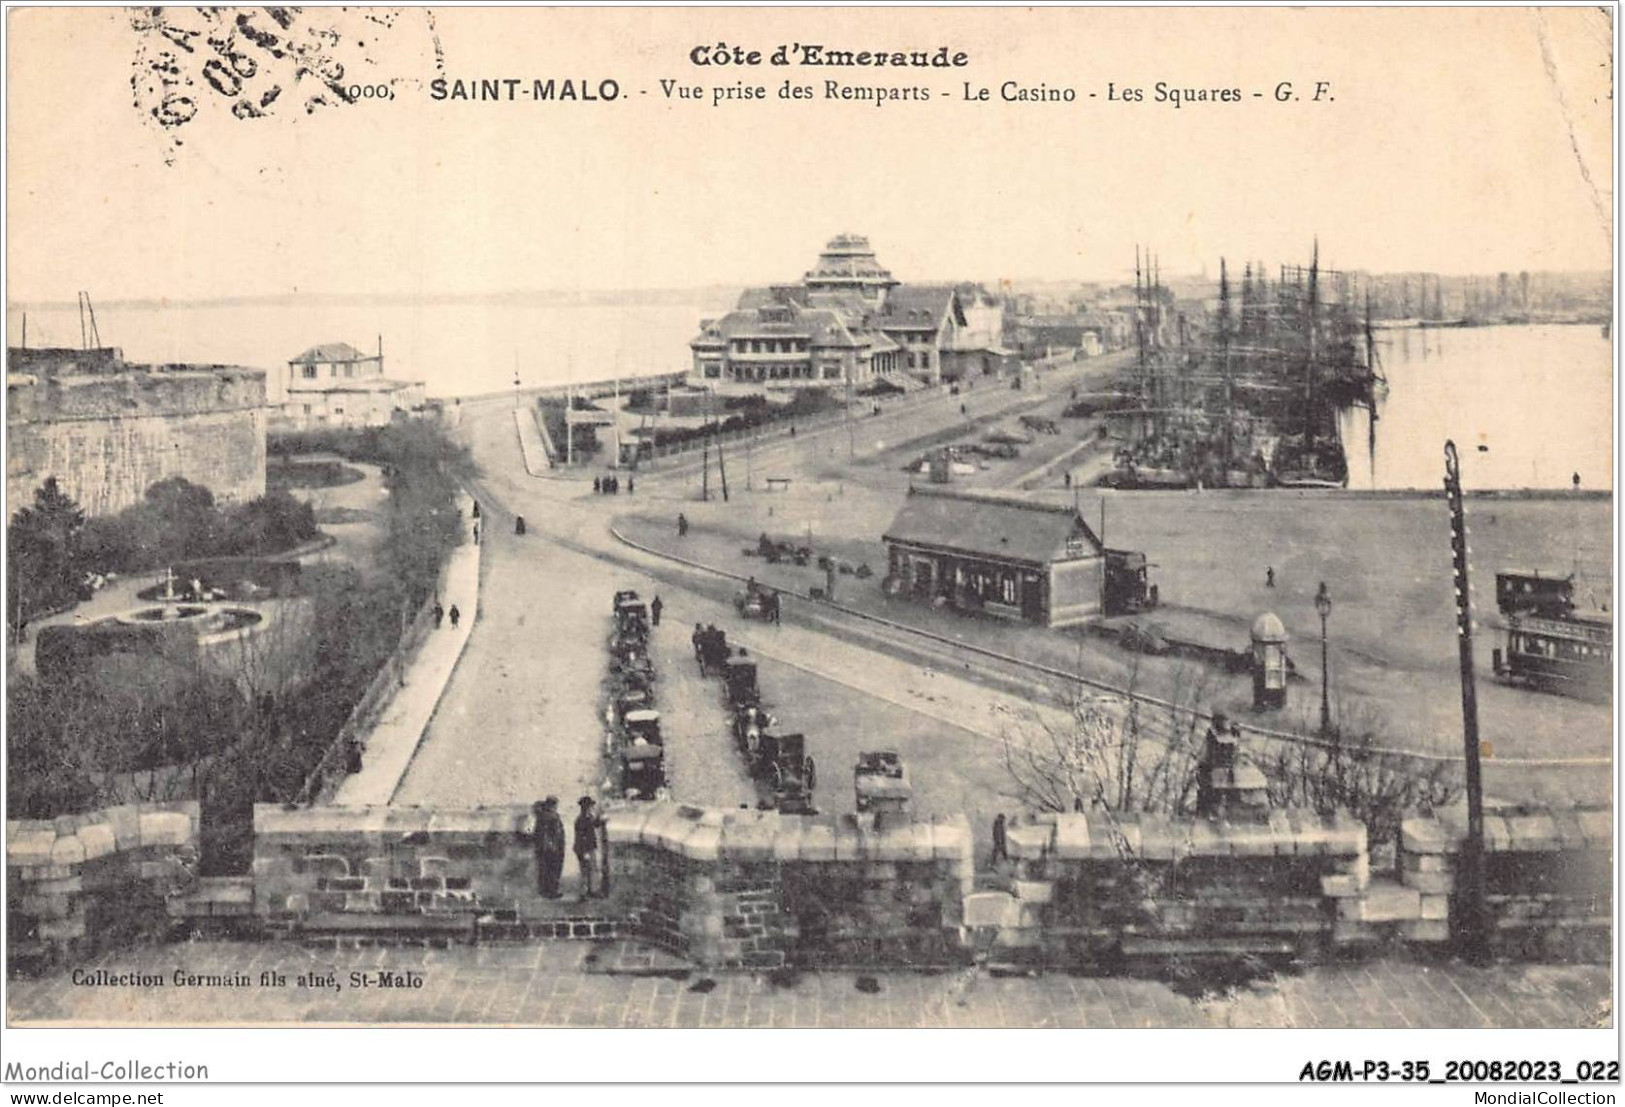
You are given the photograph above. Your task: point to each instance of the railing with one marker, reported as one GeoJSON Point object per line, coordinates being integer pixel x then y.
{"type": "Point", "coordinates": [331, 769]}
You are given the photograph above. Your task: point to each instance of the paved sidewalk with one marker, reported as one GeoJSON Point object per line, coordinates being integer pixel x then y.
{"type": "Point", "coordinates": [531, 444]}
{"type": "Point", "coordinates": [395, 734]}
{"type": "Point", "coordinates": [584, 984]}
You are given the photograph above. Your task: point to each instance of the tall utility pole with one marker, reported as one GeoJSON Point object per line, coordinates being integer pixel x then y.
{"type": "Point", "coordinates": [722, 467]}
{"type": "Point", "coordinates": [851, 430]}
{"type": "Point", "coordinates": [1474, 928]}
{"type": "Point", "coordinates": [705, 451]}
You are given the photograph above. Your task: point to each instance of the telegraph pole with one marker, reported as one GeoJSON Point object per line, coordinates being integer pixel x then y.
{"type": "Point", "coordinates": [705, 451]}
{"type": "Point", "coordinates": [1474, 928]}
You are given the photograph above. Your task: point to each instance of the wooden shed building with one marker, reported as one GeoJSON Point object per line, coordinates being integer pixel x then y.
{"type": "Point", "coordinates": [1000, 555]}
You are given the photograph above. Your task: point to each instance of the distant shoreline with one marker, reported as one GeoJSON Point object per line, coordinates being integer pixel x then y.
{"type": "Point", "coordinates": [536, 298]}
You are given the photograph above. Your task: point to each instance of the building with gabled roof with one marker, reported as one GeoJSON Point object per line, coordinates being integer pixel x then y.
{"type": "Point", "coordinates": [1002, 555]}
{"type": "Point", "coordinates": [336, 385]}
{"type": "Point", "coordinates": [849, 321]}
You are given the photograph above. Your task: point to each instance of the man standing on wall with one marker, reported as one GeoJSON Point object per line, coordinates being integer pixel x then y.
{"type": "Point", "coordinates": [549, 847]}
{"type": "Point", "coordinates": [586, 843]}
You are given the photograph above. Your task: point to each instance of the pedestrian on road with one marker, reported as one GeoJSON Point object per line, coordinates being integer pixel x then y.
{"type": "Point", "coordinates": [963, 410]}
{"type": "Point", "coordinates": [455, 615]}
{"type": "Point", "coordinates": [1269, 576]}
{"type": "Point", "coordinates": [519, 524]}
{"type": "Point", "coordinates": [1068, 480]}
{"type": "Point", "coordinates": [682, 525]}
{"type": "Point", "coordinates": [773, 607]}
{"type": "Point", "coordinates": [630, 485]}
{"type": "Point", "coordinates": [547, 844]}
{"type": "Point", "coordinates": [1001, 847]}
{"type": "Point", "coordinates": [698, 638]}
{"type": "Point", "coordinates": [439, 614]}
{"type": "Point", "coordinates": [476, 509]}
{"type": "Point", "coordinates": [597, 486]}
{"type": "Point", "coordinates": [655, 607]}
{"type": "Point", "coordinates": [586, 843]}
{"type": "Point", "coordinates": [476, 534]}
{"type": "Point", "coordinates": [352, 755]}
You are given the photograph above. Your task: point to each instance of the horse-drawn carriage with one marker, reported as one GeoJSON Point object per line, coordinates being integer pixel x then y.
{"type": "Point", "coordinates": [739, 682]}
{"type": "Point", "coordinates": [880, 782]}
{"type": "Point", "coordinates": [756, 602]}
{"type": "Point", "coordinates": [783, 763]}
{"type": "Point", "coordinates": [633, 696]}
{"type": "Point", "coordinates": [711, 647]}
{"type": "Point", "coordinates": [643, 761]}
{"type": "Point", "coordinates": [631, 616]}
{"type": "Point", "coordinates": [750, 722]}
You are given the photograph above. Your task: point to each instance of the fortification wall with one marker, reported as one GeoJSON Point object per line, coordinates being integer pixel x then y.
{"type": "Point", "coordinates": [1096, 887]}
{"type": "Point", "coordinates": [761, 890]}
{"type": "Point", "coordinates": [724, 888]}
{"type": "Point", "coordinates": [1548, 879]}
{"type": "Point", "coordinates": [80, 882]}
{"type": "Point", "coordinates": [107, 437]}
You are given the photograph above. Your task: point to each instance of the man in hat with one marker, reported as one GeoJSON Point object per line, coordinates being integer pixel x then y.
{"type": "Point", "coordinates": [548, 844]}
{"type": "Point", "coordinates": [586, 843]}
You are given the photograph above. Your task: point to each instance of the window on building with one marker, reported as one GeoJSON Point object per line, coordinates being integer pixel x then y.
{"type": "Point", "coordinates": [307, 409]}
{"type": "Point", "coordinates": [308, 372]}
{"type": "Point", "coordinates": [1007, 589]}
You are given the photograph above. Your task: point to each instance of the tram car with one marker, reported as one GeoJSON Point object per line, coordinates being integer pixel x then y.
{"type": "Point", "coordinates": [1549, 644]}
{"type": "Point", "coordinates": [783, 762]}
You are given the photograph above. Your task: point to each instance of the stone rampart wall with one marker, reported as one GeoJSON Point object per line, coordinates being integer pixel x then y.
{"type": "Point", "coordinates": [107, 438]}
{"type": "Point", "coordinates": [756, 889]}
{"type": "Point", "coordinates": [725, 888]}
{"type": "Point", "coordinates": [1548, 879]}
{"type": "Point", "coordinates": [761, 889]}
{"type": "Point", "coordinates": [79, 882]}
{"type": "Point", "coordinates": [1097, 888]}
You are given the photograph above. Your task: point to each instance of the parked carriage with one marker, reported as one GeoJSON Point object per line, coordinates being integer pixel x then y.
{"type": "Point", "coordinates": [749, 724]}
{"type": "Point", "coordinates": [713, 651]}
{"type": "Point", "coordinates": [643, 762]}
{"type": "Point", "coordinates": [643, 771]}
{"type": "Point", "coordinates": [783, 762]}
{"type": "Point", "coordinates": [739, 682]}
{"type": "Point", "coordinates": [633, 697]}
{"type": "Point", "coordinates": [631, 617]}
{"type": "Point", "coordinates": [880, 782]}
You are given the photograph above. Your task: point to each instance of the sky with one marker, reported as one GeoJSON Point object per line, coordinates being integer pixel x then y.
{"type": "Point", "coordinates": [1455, 140]}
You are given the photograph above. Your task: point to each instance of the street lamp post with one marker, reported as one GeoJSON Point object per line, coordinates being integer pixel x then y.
{"type": "Point", "coordinates": [1323, 607]}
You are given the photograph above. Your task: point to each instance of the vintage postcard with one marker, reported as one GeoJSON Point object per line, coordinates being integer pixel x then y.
{"type": "Point", "coordinates": [813, 518]}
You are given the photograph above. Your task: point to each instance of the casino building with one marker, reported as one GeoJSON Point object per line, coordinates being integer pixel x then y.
{"type": "Point", "coordinates": [849, 321]}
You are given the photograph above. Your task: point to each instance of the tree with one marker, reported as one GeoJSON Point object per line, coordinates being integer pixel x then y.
{"type": "Point", "coordinates": [1118, 753]}
{"type": "Point", "coordinates": [44, 570]}
{"type": "Point", "coordinates": [1358, 771]}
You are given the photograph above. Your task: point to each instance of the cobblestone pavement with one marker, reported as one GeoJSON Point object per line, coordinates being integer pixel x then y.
{"type": "Point", "coordinates": [580, 984]}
